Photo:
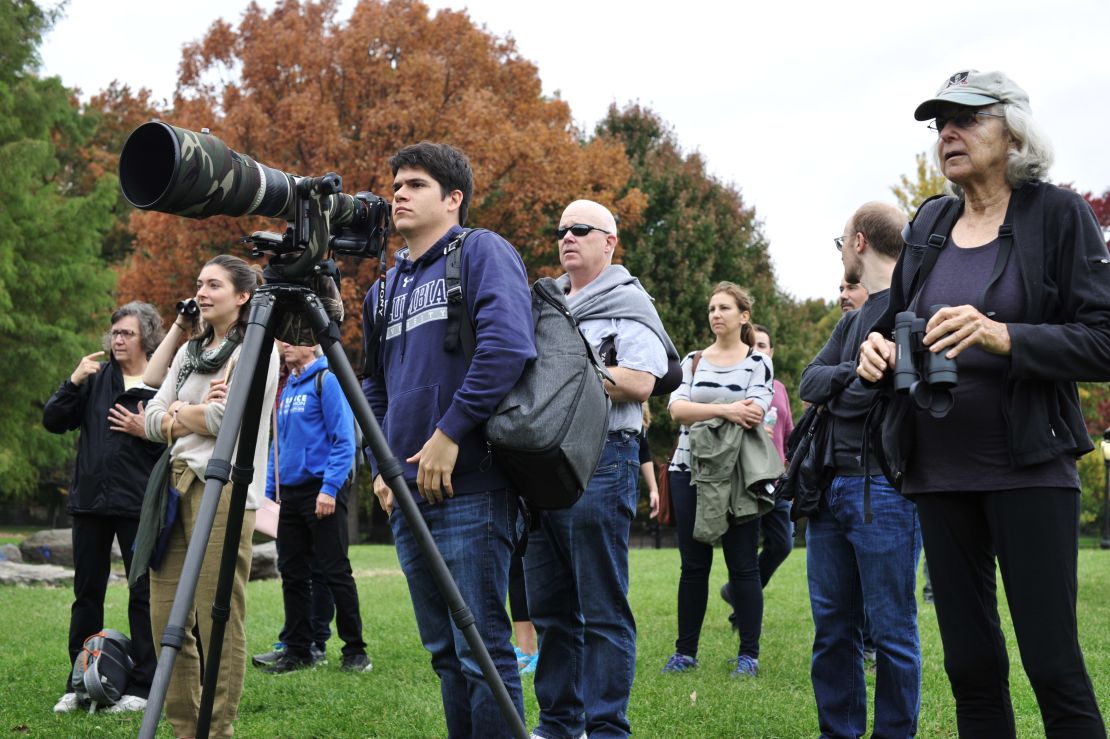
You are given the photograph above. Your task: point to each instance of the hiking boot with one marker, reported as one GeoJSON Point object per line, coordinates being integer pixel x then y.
{"type": "Point", "coordinates": [287, 663]}
{"type": "Point", "coordinates": [356, 663]}
{"type": "Point", "coordinates": [67, 703]}
{"type": "Point", "coordinates": [127, 704]}
{"type": "Point", "coordinates": [269, 658]}
{"type": "Point", "coordinates": [680, 663]}
{"type": "Point", "coordinates": [745, 666]}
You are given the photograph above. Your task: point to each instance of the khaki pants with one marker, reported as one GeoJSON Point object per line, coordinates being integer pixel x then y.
{"type": "Point", "coordinates": [183, 695]}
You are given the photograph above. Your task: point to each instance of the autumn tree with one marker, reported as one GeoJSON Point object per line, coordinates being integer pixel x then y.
{"type": "Point", "coordinates": [303, 93]}
{"type": "Point", "coordinates": [926, 182]}
{"type": "Point", "coordinates": [55, 294]}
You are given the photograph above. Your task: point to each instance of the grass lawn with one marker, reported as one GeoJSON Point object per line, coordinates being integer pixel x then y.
{"type": "Point", "coordinates": [400, 698]}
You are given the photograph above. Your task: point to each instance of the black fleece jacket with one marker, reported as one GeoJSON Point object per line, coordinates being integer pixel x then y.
{"type": "Point", "coordinates": [1064, 334]}
{"type": "Point", "coordinates": [112, 467]}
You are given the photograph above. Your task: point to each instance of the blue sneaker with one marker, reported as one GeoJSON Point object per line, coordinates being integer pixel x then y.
{"type": "Point", "coordinates": [533, 660]}
{"type": "Point", "coordinates": [745, 666]}
{"type": "Point", "coordinates": [680, 663]}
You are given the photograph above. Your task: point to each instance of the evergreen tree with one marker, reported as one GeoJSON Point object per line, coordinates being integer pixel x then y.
{"type": "Point", "coordinates": [55, 295]}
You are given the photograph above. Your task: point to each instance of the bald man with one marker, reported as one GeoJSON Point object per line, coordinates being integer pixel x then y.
{"type": "Point", "coordinates": [576, 564]}
{"type": "Point", "coordinates": [861, 554]}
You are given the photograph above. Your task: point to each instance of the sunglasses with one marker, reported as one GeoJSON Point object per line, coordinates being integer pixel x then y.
{"type": "Point", "coordinates": [967, 119]}
{"type": "Point", "coordinates": [578, 229]}
{"type": "Point", "coordinates": [123, 333]}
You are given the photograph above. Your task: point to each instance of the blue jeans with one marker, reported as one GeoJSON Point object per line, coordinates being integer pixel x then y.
{"type": "Point", "coordinates": [856, 567]}
{"type": "Point", "coordinates": [576, 569]}
{"type": "Point", "coordinates": [475, 533]}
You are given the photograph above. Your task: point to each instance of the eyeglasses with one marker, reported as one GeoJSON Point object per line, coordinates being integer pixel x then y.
{"type": "Point", "coordinates": [967, 119]}
{"type": "Point", "coordinates": [839, 241]}
{"type": "Point", "coordinates": [123, 333]}
{"type": "Point", "coordinates": [578, 229]}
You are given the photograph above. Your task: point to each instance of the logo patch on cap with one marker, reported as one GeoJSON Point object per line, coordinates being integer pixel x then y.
{"type": "Point", "coordinates": [960, 78]}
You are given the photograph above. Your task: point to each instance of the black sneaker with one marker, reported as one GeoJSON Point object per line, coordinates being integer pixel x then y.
{"type": "Point", "coordinates": [288, 663]}
{"type": "Point", "coordinates": [319, 656]}
{"type": "Point", "coordinates": [356, 663]}
{"type": "Point", "coordinates": [266, 659]}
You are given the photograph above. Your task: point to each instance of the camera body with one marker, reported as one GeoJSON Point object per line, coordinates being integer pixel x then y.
{"type": "Point", "coordinates": [927, 377]}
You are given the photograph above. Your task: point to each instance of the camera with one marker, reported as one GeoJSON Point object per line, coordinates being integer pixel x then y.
{"type": "Point", "coordinates": [195, 175]}
{"type": "Point", "coordinates": [927, 377]}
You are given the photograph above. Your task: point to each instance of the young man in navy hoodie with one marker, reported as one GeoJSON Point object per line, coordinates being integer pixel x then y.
{"type": "Point", "coordinates": [432, 405]}
{"type": "Point", "coordinates": [310, 461]}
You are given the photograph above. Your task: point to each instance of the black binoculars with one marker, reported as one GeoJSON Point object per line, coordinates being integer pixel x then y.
{"type": "Point", "coordinates": [928, 377]}
{"type": "Point", "coordinates": [188, 308]}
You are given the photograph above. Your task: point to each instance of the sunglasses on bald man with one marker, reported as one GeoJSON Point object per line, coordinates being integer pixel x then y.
{"type": "Point", "coordinates": [578, 229]}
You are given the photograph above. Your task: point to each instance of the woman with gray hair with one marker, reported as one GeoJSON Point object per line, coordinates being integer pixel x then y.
{"type": "Point", "coordinates": [1022, 272]}
{"type": "Point", "coordinates": [105, 400]}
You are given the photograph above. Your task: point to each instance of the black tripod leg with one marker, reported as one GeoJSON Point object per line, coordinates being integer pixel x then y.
{"type": "Point", "coordinates": [241, 475]}
{"type": "Point", "coordinates": [217, 475]}
{"type": "Point", "coordinates": [327, 334]}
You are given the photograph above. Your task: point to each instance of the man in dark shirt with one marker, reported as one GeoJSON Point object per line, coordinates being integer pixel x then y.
{"type": "Point", "coordinates": [855, 565]}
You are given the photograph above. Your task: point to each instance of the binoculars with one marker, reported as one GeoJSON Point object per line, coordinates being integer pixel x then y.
{"type": "Point", "coordinates": [927, 377]}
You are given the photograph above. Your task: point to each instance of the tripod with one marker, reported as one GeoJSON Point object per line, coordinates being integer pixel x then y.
{"type": "Point", "coordinates": [242, 416]}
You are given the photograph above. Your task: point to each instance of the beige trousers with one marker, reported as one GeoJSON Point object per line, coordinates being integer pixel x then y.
{"type": "Point", "coordinates": [183, 695]}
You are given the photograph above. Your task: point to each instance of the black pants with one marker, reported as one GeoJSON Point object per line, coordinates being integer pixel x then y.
{"type": "Point", "coordinates": [92, 559]}
{"type": "Point", "coordinates": [305, 540]}
{"type": "Point", "coordinates": [1034, 534]}
{"type": "Point", "coordinates": [778, 540]}
{"type": "Point", "coordinates": [740, 544]}
{"type": "Point", "coordinates": [322, 605]}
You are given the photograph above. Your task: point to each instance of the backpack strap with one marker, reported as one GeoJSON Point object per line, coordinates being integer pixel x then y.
{"type": "Point", "coordinates": [458, 334]}
{"type": "Point", "coordinates": [942, 216]}
{"type": "Point", "coordinates": [320, 382]}
{"type": "Point", "coordinates": [372, 339]}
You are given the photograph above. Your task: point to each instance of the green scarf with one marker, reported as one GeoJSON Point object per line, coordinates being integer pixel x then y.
{"type": "Point", "coordinates": [207, 361]}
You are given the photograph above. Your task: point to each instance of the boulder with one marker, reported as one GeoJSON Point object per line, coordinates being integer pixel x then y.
{"type": "Point", "coordinates": [55, 547]}
{"type": "Point", "coordinates": [17, 573]}
{"type": "Point", "coordinates": [10, 553]}
{"type": "Point", "coordinates": [264, 561]}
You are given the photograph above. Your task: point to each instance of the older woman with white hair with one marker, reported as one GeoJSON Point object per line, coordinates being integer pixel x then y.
{"type": "Point", "coordinates": [1024, 268]}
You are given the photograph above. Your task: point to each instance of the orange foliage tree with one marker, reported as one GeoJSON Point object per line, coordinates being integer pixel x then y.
{"type": "Point", "coordinates": [301, 92]}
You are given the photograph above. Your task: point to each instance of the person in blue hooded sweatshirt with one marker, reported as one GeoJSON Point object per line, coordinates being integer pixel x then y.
{"type": "Point", "coordinates": [314, 448]}
{"type": "Point", "coordinates": [432, 405]}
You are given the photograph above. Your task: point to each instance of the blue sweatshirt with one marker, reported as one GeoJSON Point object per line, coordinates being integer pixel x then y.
{"type": "Point", "coordinates": [315, 433]}
{"type": "Point", "coordinates": [421, 387]}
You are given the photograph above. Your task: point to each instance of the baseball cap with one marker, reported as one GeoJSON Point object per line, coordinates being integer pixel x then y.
{"type": "Point", "coordinates": [972, 87]}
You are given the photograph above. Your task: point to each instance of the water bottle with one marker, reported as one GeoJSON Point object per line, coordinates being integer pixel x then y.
{"type": "Point", "coordinates": [770, 418]}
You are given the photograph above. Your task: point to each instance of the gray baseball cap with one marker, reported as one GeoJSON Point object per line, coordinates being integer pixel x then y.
{"type": "Point", "coordinates": [974, 88]}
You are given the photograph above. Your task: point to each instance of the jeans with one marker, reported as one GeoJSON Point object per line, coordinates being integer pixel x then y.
{"type": "Point", "coordinates": [476, 534]}
{"type": "Point", "coordinates": [1034, 533]}
{"type": "Point", "coordinates": [857, 567]}
{"type": "Point", "coordinates": [740, 544]}
{"type": "Point", "coordinates": [576, 570]}
{"type": "Point", "coordinates": [307, 540]}
{"type": "Point", "coordinates": [92, 560]}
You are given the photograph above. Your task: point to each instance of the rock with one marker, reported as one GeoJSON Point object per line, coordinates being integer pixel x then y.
{"type": "Point", "coordinates": [55, 547]}
{"type": "Point", "coordinates": [10, 553]}
{"type": "Point", "coordinates": [264, 561]}
{"type": "Point", "coordinates": [17, 573]}
{"type": "Point", "coordinates": [50, 546]}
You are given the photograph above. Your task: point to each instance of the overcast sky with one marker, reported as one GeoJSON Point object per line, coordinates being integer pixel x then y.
{"type": "Point", "coordinates": [806, 107]}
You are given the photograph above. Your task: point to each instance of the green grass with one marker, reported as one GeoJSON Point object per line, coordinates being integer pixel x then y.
{"type": "Point", "coordinates": [400, 698]}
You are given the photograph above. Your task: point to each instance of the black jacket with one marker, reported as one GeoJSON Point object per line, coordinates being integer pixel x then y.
{"type": "Point", "coordinates": [1064, 334]}
{"type": "Point", "coordinates": [112, 467]}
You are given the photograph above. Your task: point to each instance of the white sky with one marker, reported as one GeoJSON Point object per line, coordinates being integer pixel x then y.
{"type": "Point", "coordinates": [807, 107]}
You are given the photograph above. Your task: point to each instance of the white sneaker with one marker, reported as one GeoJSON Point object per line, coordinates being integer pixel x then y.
{"type": "Point", "coordinates": [66, 703]}
{"type": "Point", "coordinates": [127, 704]}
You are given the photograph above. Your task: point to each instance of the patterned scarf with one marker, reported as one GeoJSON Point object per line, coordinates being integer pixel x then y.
{"type": "Point", "coordinates": [207, 361]}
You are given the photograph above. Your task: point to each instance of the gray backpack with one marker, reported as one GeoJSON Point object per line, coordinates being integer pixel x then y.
{"type": "Point", "coordinates": [102, 669]}
{"type": "Point", "coordinates": [548, 433]}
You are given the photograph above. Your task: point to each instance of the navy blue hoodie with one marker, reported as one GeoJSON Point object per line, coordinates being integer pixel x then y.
{"type": "Point", "coordinates": [316, 433]}
{"type": "Point", "coordinates": [421, 387]}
